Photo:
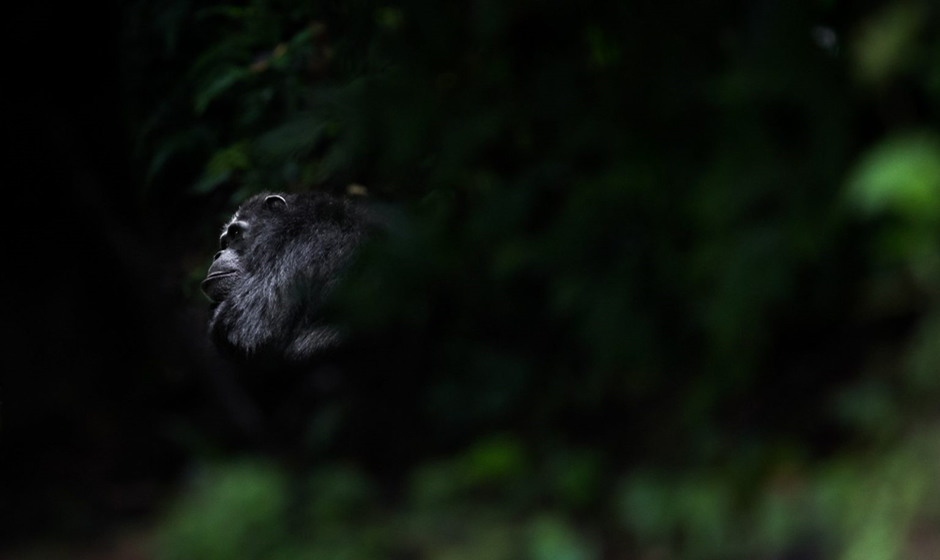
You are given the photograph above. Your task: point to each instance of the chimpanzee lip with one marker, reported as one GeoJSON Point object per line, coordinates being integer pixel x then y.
{"type": "Point", "coordinates": [208, 285]}
{"type": "Point", "coordinates": [217, 275]}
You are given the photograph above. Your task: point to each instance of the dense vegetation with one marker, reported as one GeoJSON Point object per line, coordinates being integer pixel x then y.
{"type": "Point", "coordinates": [675, 271]}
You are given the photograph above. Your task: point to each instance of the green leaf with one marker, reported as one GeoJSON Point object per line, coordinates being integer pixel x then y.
{"type": "Point", "coordinates": [885, 44]}
{"type": "Point", "coordinates": [216, 87]}
{"type": "Point", "coordinates": [222, 165]}
{"type": "Point", "coordinates": [494, 460]}
{"type": "Point", "coordinates": [901, 175]}
{"type": "Point", "coordinates": [552, 538]}
{"type": "Point", "coordinates": [237, 512]}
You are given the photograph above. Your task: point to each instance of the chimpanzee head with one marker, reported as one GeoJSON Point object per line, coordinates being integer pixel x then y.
{"type": "Point", "coordinates": [281, 255]}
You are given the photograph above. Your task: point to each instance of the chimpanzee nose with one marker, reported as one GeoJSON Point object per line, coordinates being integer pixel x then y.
{"type": "Point", "coordinates": [216, 257]}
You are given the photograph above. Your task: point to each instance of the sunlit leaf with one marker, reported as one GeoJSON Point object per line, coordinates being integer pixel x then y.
{"type": "Point", "coordinates": [900, 175]}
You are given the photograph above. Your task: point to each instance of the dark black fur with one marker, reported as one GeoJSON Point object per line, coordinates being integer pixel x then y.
{"type": "Point", "coordinates": [281, 256]}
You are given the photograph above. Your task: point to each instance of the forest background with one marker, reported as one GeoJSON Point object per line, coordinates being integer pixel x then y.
{"type": "Point", "coordinates": [675, 272]}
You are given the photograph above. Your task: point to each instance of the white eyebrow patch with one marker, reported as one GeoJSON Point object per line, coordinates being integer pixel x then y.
{"type": "Point", "coordinates": [230, 222]}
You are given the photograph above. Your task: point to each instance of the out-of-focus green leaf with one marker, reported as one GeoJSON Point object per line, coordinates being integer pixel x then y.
{"type": "Point", "coordinates": [235, 512]}
{"type": "Point", "coordinates": [223, 164]}
{"type": "Point", "coordinates": [646, 506]}
{"type": "Point", "coordinates": [232, 158]}
{"type": "Point", "coordinates": [232, 12]}
{"type": "Point", "coordinates": [925, 357]}
{"type": "Point", "coordinates": [885, 44]}
{"type": "Point", "coordinates": [494, 460]}
{"type": "Point", "coordinates": [900, 175]}
{"type": "Point", "coordinates": [292, 138]}
{"type": "Point", "coordinates": [390, 18]}
{"type": "Point", "coordinates": [868, 406]}
{"type": "Point", "coordinates": [218, 85]}
{"type": "Point", "coordinates": [337, 494]}
{"type": "Point", "coordinates": [575, 477]}
{"type": "Point", "coordinates": [552, 538]}
{"type": "Point", "coordinates": [434, 484]}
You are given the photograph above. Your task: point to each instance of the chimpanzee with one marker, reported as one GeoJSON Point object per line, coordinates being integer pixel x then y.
{"type": "Point", "coordinates": [281, 256]}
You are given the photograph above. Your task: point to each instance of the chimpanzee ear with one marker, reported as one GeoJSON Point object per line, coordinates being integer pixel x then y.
{"type": "Point", "coordinates": [275, 202]}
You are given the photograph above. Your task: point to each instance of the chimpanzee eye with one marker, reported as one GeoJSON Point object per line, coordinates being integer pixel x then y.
{"type": "Point", "coordinates": [232, 233]}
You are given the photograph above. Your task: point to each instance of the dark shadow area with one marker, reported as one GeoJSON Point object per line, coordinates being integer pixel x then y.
{"type": "Point", "coordinates": [652, 281]}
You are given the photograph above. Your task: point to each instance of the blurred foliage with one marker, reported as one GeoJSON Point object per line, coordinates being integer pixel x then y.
{"type": "Point", "coordinates": [675, 270]}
